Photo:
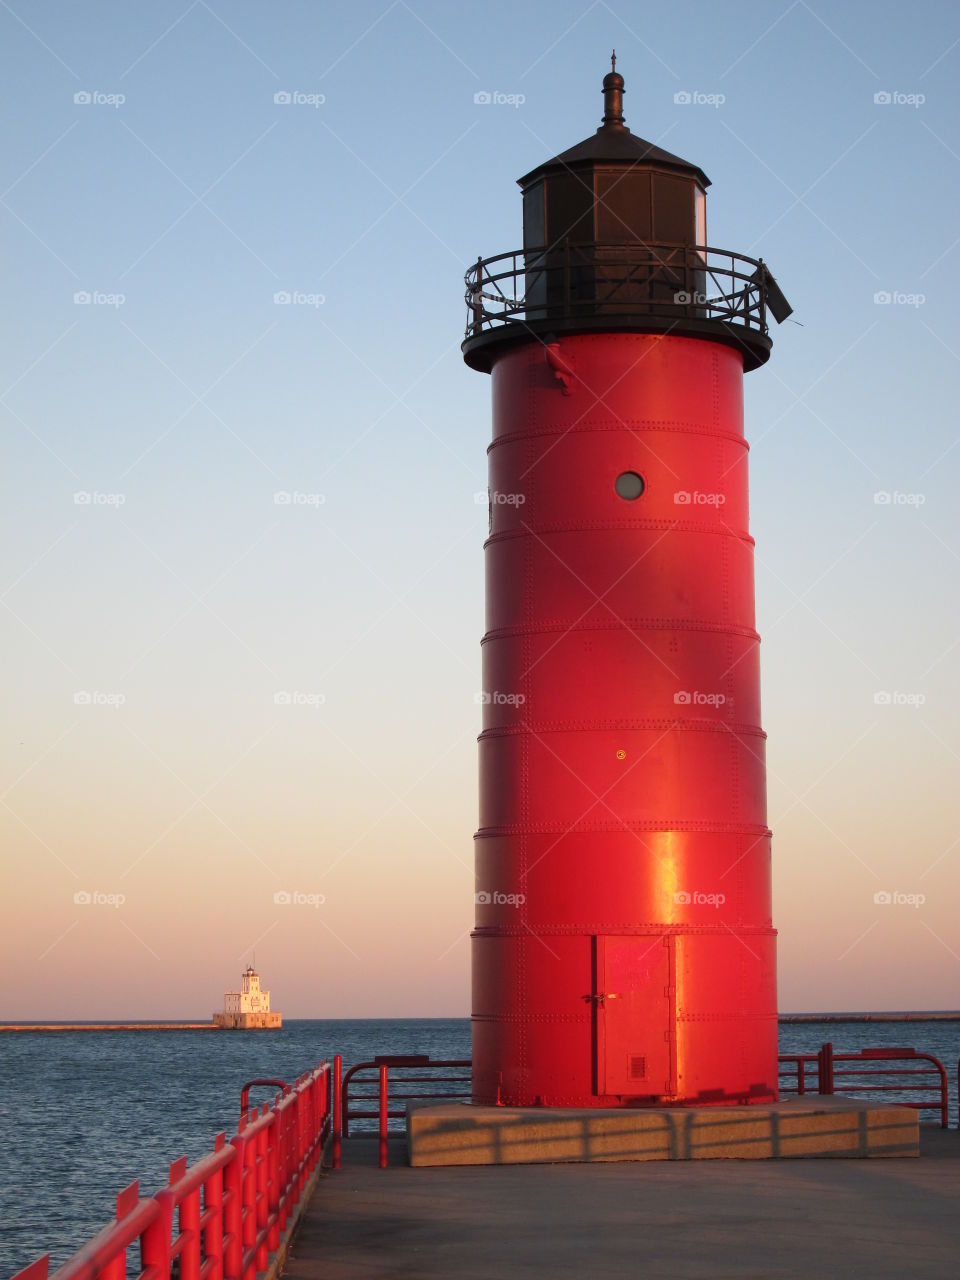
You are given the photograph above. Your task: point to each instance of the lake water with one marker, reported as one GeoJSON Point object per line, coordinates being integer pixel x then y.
{"type": "Point", "coordinates": [83, 1114]}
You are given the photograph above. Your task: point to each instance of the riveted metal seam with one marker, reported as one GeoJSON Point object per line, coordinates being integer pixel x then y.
{"type": "Point", "coordinates": [609, 726]}
{"type": "Point", "coordinates": [546, 626]}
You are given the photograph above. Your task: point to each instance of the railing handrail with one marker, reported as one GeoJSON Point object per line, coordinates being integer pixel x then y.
{"type": "Point", "coordinates": [877, 1058]}
{"type": "Point", "coordinates": [593, 280]}
{"type": "Point", "coordinates": [259, 1081]}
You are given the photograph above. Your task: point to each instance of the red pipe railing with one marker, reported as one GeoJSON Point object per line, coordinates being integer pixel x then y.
{"type": "Point", "coordinates": [260, 1080]}
{"type": "Point", "coordinates": [439, 1090]}
{"type": "Point", "coordinates": [832, 1074]}
{"type": "Point", "coordinates": [337, 1143]}
{"type": "Point", "coordinates": [384, 1116]}
{"type": "Point", "coordinates": [223, 1217]}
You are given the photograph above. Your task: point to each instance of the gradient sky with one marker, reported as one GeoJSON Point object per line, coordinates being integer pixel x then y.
{"type": "Point", "coordinates": [199, 598]}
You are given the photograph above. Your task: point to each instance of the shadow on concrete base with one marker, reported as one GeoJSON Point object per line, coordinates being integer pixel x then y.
{"type": "Point", "coordinates": [463, 1134]}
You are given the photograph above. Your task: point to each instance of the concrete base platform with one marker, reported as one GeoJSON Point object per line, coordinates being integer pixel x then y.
{"type": "Point", "coordinates": [463, 1134]}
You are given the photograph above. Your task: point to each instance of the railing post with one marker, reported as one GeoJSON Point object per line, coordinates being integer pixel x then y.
{"type": "Point", "coordinates": [763, 296]}
{"type": "Point", "coordinates": [273, 1181]}
{"type": "Point", "coordinates": [213, 1208]}
{"type": "Point", "coordinates": [262, 1191]}
{"type": "Point", "coordinates": [825, 1068]}
{"type": "Point", "coordinates": [248, 1199]}
{"type": "Point", "coordinates": [320, 1094]}
{"type": "Point", "coordinates": [155, 1241]}
{"type": "Point", "coordinates": [190, 1250]}
{"type": "Point", "coordinates": [233, 1211]}
{"type": "Point", "coordinates": [337, 1085]}
{"type": "Point", "coordinates": [478, 296]}
{"type": "Point", "coordinates": [297, 1145]}
{"type": "Point", "coordinates": [944, 1097]}
{"type": "Point", "coordinates": [384, 1116]}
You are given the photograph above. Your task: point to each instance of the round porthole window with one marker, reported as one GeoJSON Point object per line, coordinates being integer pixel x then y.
{"type": "Point", "coordinates": [629, 485]}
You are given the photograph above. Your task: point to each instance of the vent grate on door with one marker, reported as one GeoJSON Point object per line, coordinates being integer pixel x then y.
{"type": "Point", "coordinates": [638, 1066]}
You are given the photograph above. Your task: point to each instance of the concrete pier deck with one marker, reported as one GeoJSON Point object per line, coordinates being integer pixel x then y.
{"type": "Point", "coordinates": [895, 1219]}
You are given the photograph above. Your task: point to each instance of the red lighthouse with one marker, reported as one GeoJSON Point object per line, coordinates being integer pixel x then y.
{"type": "Point", "coordinates": [624, 952]}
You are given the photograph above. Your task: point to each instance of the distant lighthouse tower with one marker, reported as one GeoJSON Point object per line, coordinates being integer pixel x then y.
{"type": "Point", "coordinates": [624, 952]}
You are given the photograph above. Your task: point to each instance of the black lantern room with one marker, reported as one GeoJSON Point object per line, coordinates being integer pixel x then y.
{"type": "Point", "coordinates": [615, 238]}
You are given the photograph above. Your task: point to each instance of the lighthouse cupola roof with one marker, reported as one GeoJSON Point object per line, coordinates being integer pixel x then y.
{"type": "Point", "coordinates": [613, 143]}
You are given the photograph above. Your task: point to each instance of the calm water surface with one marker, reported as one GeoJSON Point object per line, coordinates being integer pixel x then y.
{"type": "Point", "coordinates": [82, 1114]}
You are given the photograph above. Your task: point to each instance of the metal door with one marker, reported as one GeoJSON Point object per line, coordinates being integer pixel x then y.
{"type": "Point", "coordinates": [635, 1031]}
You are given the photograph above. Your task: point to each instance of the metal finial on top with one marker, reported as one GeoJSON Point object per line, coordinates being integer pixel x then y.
{"type": "Point", "coordinates": [613, 96]}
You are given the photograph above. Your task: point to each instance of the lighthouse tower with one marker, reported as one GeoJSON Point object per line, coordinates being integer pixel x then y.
{"type": "Point", "coordinates": [624, 953]}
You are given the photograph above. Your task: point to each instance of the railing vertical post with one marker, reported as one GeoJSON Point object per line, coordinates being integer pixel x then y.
{"type": "Point", "coordinates": [190, 1250]}
{"type": "Point", "coordinates": [249, 1201]}
{"type": "Point", "coordinates": [297, 1145]}
{"type": "Point", "coordinates": [338, 1110]}
{"type": "Point", "coordinates": [262, 1193]}
{"type": "Point", "coordinates": [273, 1181]}
{"type": "Point", "coordinates": [319, 1090]}
{"type": "Point", "coordinates": [825, 1068]}
{"type": "Point", "coordinates": [345, 1106]}
{"type": "Point", "coordinates": [944, 1097]}
{"type": "Point", "coordinates": [801, 1075]}
{"type": "Point", "coordinates": [384, 1116]}
{"type": "Point", "coordinates": [478, 296]}
{"type": "Point", "coordinates": [155, 1241]}
{"type": "Point", "coordinates": [213, 1208]}
{"type": "Point", "coordinates": [233, 1211]}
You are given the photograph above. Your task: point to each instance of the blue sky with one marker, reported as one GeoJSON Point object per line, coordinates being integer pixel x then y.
{"type": "Point", "coordinates": [196, 399]}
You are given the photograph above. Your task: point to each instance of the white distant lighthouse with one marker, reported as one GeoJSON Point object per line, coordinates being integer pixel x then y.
{"type": "Point", "coordinates": [249, 1008]}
